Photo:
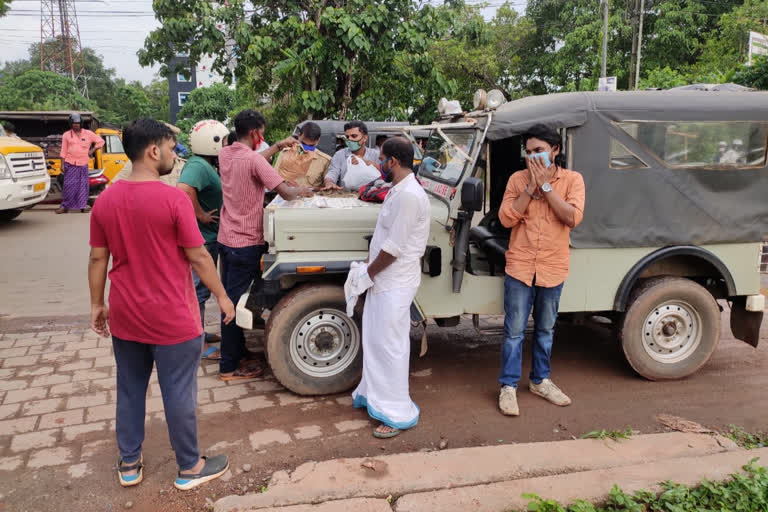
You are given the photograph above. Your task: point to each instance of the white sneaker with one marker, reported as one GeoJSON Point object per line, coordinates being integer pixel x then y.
{"type": "Point", "coordinates": [549, 391]}
{"type": "Point", "coordinates": [508, 401]}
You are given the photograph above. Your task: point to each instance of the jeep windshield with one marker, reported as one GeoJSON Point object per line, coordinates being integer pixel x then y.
{"type": "Point", "coordinates": [446, 155]}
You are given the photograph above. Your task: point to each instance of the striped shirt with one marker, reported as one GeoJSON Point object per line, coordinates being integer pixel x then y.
{"type": "Point", "coordinates": [245, 174]}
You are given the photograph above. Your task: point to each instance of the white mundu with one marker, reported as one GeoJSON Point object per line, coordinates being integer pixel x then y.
{"type": "Point", "coordinates": [402, 230]}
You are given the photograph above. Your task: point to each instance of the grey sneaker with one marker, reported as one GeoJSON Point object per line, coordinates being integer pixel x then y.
{"type": "Point", "coordinates": [549, 391]}
{"type": "Point", "coordinates": [508, 401]}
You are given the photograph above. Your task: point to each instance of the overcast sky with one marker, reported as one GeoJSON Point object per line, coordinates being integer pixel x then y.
{"type": "Point", "coordinates": [115, 29]}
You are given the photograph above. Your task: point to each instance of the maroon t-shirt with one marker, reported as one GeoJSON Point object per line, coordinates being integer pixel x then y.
{"type": "Point", "coordinates": [146, 226]}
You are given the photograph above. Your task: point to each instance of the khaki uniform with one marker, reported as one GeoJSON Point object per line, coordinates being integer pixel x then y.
{"type": "Point", "coordinates": [307, 168]}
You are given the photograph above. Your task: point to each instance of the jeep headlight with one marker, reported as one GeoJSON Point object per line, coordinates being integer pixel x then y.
{"type": "Point", "coordinates": [269, 227]}
{"type": "Point", "coordinates": [5, 169]}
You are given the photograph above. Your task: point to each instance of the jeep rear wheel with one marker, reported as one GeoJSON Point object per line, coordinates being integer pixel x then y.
{"type": "Point", "coordinates": [312, 346]}
{"type": "Point", "coordinates": [671, 328]}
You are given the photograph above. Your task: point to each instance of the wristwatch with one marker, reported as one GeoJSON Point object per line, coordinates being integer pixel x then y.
{"type": "Point", "coordinates": [546, 188]}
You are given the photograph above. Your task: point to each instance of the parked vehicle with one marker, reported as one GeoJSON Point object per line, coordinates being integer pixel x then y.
{"type": "Point", "coordinates": [661, 242]}
{"type": "Point", "coordinates": [46, 130]}
{"type": "Point", "coordinates": [24, 181]}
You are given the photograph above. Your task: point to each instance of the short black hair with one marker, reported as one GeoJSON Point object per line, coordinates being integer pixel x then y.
{"type": "Point", "coordinates": [141, 134]}
{"type": "Point", "coordinates": [311, 130]}
{"type": "Point", "coordinates": [248, 120]}
{"type": "Point", "coordinates": [399, 148]}
{"type": "Point", "coordinates": [381, 138]}
{"type": "Point", "coordinates": [9, 127]}
{"type": "Point", "coordinates": [231, 138]}
{"type": "Point", "coordinates": [356, 124]}
{"type": "Point", "coordinates": [548, 135]}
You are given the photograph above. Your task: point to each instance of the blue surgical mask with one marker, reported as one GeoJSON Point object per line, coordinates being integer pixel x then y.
{"type": "Point", "coordinates": [544, 156]}
{"type": "Point", "coordinates": [308, 147]}
{"type": "Point", "coordinates": [386, 173]}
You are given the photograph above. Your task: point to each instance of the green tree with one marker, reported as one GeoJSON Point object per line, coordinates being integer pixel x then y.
{"type": "Point", "coordinates": [316, 57]}
{"type": "Point", "coordinates": [42, 90]}
{"type": "Point", "coordinates": [755, 76]}
{"type": "Point", "coordinates": [214, 102]}
{"type": "Point", "coordinates": [159, 104]}
{"type": "Point", "coordinates": [4, 6]}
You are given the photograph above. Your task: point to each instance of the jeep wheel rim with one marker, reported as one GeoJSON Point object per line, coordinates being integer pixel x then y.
{"type": "Point", "coordinates": [325, 343]}
{"type": "Point", "coordinates": [672, 332]}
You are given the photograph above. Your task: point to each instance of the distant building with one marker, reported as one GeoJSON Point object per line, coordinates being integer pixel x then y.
{"type": "Point", "coordinates": [187, 79]}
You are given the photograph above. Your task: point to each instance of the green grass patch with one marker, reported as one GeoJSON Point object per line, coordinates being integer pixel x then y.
{"type": "Point", "coordinates": [747, 440]}
{"type": "Point", "coordinates": [742, 493]}
{"type": "Point", "coordinates": [609, 434]}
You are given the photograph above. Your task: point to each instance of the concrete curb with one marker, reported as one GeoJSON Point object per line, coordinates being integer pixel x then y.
{"type": "Point", "coordinates": [403, 474]}
{"type": "Point", "coordinates": [592, 486]}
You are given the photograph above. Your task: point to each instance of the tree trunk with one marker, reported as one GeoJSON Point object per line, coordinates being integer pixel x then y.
{"type": "Point", "coordinates": [347, 99]}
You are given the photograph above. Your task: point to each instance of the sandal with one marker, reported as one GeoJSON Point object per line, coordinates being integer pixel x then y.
{"type": "Point", "coordinates": [61, 210]}
{"type": "Point", "coordinates": [242, 374]}
{"type": "Point", "coordinates": [207, 354]}
{"type": "Point", "coordinates": [214, 467]}
{"type": "Point", "coordinates": [130, 480]}
{"type": "Point", "coordinates": [385, 435]}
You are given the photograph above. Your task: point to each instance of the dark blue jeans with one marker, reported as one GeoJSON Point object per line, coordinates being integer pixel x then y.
{"type": "Point", "coordinates": [240, 267]}
{"type": "Point", "coordinates": [202, 291]}
{"type": "Point", "coordinates": [177, 375]}
{"type": "Point", "coordinates": [519, 298]}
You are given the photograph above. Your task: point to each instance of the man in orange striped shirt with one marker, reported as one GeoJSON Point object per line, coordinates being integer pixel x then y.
{"type": "Point", "coordinates": [541, 205]}
{"type": "Point", "coordinates": [245, 174]}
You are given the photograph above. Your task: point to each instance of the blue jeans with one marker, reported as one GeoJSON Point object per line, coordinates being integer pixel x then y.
{"type": "Point", "coordinates": [240, 267]}
{"type": "Point", "coordinates": [202, 291]}
{"type": "Point", "coordinates": [177, 375]}
{"type": "Point", "coordinates": [519, 298]}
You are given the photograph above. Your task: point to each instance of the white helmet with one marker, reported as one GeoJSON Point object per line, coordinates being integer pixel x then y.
{"type": "Point", "coordinates": [206, 137]}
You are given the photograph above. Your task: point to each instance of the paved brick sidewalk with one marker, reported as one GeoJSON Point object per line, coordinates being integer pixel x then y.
{"type": "Point", "coordinates": [58, 401]}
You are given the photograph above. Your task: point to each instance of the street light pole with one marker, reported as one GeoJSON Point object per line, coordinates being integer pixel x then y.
{"type": "Point", "coordinates": [604, 63]}
{"type": "Point", "coordinates": [639, 43]}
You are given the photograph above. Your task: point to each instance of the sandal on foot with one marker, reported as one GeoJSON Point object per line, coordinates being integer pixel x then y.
{"type": "Point", "coordinates": [207, 354]}
{"type": "Point", "coordinates": [385, 435]}
{"type": "Point", "coordinates": [242, 374]}
{"type": "Point", "coordinates": [214, 467]}
{"type": "Point", "coordinates": [130, 480]}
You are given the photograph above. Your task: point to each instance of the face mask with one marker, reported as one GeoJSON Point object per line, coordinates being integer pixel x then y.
{"type": "Point", "coordinates": [308, 147]}
{"type": "Point", "coordinates": [353, 145]}
{"type": "Point", "coordinates": [257, 140]}
{"type": "Point", "coordinates": [544, 156]}
{"type": "Point", "coordinates": [387, 173]}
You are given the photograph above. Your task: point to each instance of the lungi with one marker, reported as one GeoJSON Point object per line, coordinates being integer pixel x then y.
{"type": "Point", "coordinates": [74, 194]}
{"type": "Point", "coordinates": [383, 390]}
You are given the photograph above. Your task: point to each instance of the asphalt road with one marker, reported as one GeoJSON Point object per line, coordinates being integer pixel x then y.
{"type": "Point", "coordinates": [43, 286]}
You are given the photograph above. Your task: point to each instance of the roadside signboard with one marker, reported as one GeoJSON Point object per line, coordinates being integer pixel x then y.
{"type": "Point", "coordinates": [758, 45]}
{"type": "Point", "coordinates": [607, 84]}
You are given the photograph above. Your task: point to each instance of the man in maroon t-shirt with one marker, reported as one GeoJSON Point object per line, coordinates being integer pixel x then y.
{"type": "Point", "coordinates": [150, 231]}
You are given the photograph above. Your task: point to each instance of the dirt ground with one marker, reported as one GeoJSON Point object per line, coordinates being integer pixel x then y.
{"type": "Point", "coordinates": [43, 288]}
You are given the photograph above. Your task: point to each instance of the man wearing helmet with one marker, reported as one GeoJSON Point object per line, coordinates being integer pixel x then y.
{"type": "Point", "coordinates": [77, 147]}
{"type": "Point", "coordinates": [201, 182]}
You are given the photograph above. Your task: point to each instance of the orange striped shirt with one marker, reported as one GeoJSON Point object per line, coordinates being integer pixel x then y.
{"type": "Point", "coordinates": [245, 174]}
{"type": "Point", "coordinates": [539, 244]}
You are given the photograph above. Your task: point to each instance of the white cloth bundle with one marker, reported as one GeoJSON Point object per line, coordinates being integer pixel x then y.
{"type": "Point", "coordinates": [358, 281]}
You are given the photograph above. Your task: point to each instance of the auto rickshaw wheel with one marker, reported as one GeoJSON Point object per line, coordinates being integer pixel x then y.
{"type": "Point", "coordinates": [312, 346]}
{"type": "Point", "coordinates": [671, 328]}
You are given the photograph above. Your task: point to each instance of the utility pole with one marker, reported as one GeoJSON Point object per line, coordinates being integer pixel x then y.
{"type": "Point", "coordinates": [639, 43]}
{"type": "Point", "coordinates": [604, 63]}
{"type": "Point", "coordinates": [62, 52]}
{"type": "Point", "coordinates": [632, 7]}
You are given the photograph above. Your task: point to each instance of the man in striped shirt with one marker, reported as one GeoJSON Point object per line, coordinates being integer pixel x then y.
{"type": "Point", "coordinates": [245, 174]}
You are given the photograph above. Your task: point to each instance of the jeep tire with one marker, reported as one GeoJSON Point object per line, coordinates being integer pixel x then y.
{"type": "Point", "coordinates": [311, 344]}
{"type": "Point", "coordinates": [671, 328]}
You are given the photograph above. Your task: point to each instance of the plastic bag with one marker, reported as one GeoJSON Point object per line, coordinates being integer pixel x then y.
{"type": "Point", "coordinates": [359, 174]}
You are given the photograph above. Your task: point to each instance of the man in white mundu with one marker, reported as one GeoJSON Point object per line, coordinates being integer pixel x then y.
{"type": "Point", "coordinates": [394, 267]}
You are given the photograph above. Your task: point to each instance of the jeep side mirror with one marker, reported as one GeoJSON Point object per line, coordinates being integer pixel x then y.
{"type": "Point", "coordinates": [472, 195]}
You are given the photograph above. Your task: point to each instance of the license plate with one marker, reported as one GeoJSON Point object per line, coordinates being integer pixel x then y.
{"type": "Point", "coordinates": [39, 186]}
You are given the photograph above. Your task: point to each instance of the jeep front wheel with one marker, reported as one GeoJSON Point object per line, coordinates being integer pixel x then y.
{"type": "Point", "coordinates": [671, 328]}
{"type": "Point", "coordinates": [312, 346]}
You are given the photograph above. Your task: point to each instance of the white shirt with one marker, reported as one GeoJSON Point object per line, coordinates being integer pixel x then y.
{"type": "Point", "coordinates": [402, 230]}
